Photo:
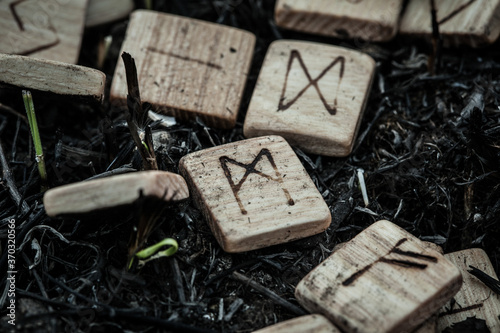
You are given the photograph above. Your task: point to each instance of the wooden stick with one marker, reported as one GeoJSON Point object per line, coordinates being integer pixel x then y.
{"type": "Point", "coordinates": [11, 185]}
{"type": "Point", "coordinates": [272, 295]}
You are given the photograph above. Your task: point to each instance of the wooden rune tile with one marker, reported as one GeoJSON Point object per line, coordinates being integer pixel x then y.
{"type": "Point", "coordinates": [106, 11]}
{"type": "Point", "coordinates": [43, 29]}
{"type": "Point", "coordinates": [306, 324]}
{"type": "Point", "coordinates": [312, 94]}
{"type": "Point", "coordinates": [474, 298]}
{"type": "Point", "coordinates": [51, 76]}
{"type": "Point", "coordinates": [383, 280]}
{"type": "Point", "coordinates": [187, 68]}
{"type": "Point", "coordinates": [114, 191]}
{"type": "Point", "coordinates": [255, 193]}
{"type": "Point", "coordinates": [461, 22]}
{"type": "Point", "coordinates": [371, 20]}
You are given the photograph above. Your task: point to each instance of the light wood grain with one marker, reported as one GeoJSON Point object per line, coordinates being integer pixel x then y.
{"type": "Point", "coordinates": [271, 200]}
{"type": "Point", "coordinates": [306, 324]}
{"type": "Point", "coordinates": [461, 22]}
{"type": "Point", "coordinates": [481, 301]}
{"type": "Point", "coordinates": [383, 280]}
{"type": "Point", "coordinates": [312, 94]}
{"type": "Point", "coordinates": [43, 29]}
{"type": "Point", "coordinates": [93, 195]}
{"type": "Point", "coordinates": [187, 68]}
{"type": "Point", "coordinates": [371, 20]}
{"type": "Point", "coordinates": [106, 11]}
{"type": "Point", "coordinates": [51, 76]}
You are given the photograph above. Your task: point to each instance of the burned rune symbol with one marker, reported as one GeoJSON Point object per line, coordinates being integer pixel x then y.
{"type": "Point", "coordinates": [38, 37]}
{"type": "Point", "coordinates": [249, 169]}
{"type": "Point", "coordinates": [407, 263]}
{"type": "Point", "coordinates": [455, 12]}
{"type": "Point", "coordinates": [294, 54]}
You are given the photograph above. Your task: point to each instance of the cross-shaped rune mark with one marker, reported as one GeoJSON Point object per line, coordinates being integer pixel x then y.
{"type": "Point", "coordinates": [407, 263]}
{"type": "Point", "coordinates": [249, 169]}
{"type": "Point", "coordinates": [294, 54]}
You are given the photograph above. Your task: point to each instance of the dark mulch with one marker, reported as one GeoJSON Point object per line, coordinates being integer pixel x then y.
{"type": "Point", "coordinates": [429, 147]}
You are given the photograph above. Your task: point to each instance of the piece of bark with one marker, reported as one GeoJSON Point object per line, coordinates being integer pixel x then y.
{"type": "Point", "coordinates": [461, 22]}
{"type": "Point", "coordinates": [51, 76]}
{"type": "Point", "coordinates": [314, 323]}
{"type": "Point", "coordinates": [311, 94]}
{"type": "Point", "coordinates": [93, 195]}
{"type": "Point", "coordinates": [187, 68]}
{"type": "Point", "coordinates": [106, 11]}
{"type": "Point", "coordinates": [474, 298]}
{"type": "Point", "coordinates": [255, 193]}
{"type": "Point", "coordinates": [371, 20]}
{"type": "Point", "coordinates": [383, 280]}
{"type": "Point", "coordinates": [43, 29]}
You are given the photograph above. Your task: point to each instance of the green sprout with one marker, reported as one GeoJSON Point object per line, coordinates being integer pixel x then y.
{"type": "Point", "coordinates": [35, 134]}
{"type": "Point", "coordinates": [148, 4]}
{"type": "Point", "coordinates": [153, 252]}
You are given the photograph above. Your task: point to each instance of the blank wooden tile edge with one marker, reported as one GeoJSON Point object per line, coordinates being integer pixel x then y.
{"type": "Point", "coordinates": [106, 11]}
{"type": "Point", "coordinates": [87, 196]}
{"type": "Point", "coordinates": [276, 237]}
{"type": "Point", "coordinates": [388, 31]}
{"type": "Point", "coordinates": [51, 76]}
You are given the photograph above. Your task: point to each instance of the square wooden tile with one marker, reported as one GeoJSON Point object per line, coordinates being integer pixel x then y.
{"type": "Point", "coordinates": [255, 193]}
{"type": "Point", "coordinates": [474, 298]}
{"type": "Point", "coordinates": [371, 20]}
{"type": "Point", "coordinates": [383, 280]}
{"type": "Point", "coordinates": [186, 67]}
{"type": "Point", "coordinates": [43, 29]}
{"type": "Point", "coordinates": [306, 324]}
{"type": "Point", "coordinates": [461, 22]}
{"type": "Point", "coordinates": [312, 94]}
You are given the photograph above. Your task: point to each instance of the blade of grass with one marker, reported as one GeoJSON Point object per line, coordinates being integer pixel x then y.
{"type": "Point", "coordinates": [153, 252]}
{"type": "Point", "coordinates": [35, 134]}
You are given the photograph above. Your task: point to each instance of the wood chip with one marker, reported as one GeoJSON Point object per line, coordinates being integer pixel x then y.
{"type": "Point", "coordinates": [88, 196]}
{"type": "Point", "coordinates": [474, 299]}
{"type": "Point", "coordinates": [371, 20]}
{"type": "Point", "coordinates": [461, 22]}
{"type": "Point", "coordinates": [312, 94]}
{"type": "Point", "coordinates": [51, 76]}
{"type": "Point", "coordinates": [187, 68]}
{"type": "Point", "coordinates": [306, 324]}
{"type": "Point", "coordinates": [43, 29]}
{"type": "Point", "coordinates": [255, 193]}
{"type": "Point", "coordinates": [383, 280]}
{"type": "Point", "coordinates": [106, 11]}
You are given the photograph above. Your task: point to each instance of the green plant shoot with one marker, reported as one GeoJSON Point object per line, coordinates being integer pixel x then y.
{"type": "Point", "coordinates": [153, 252]}
{"type": "Point", "coordinates": [35, 134]}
